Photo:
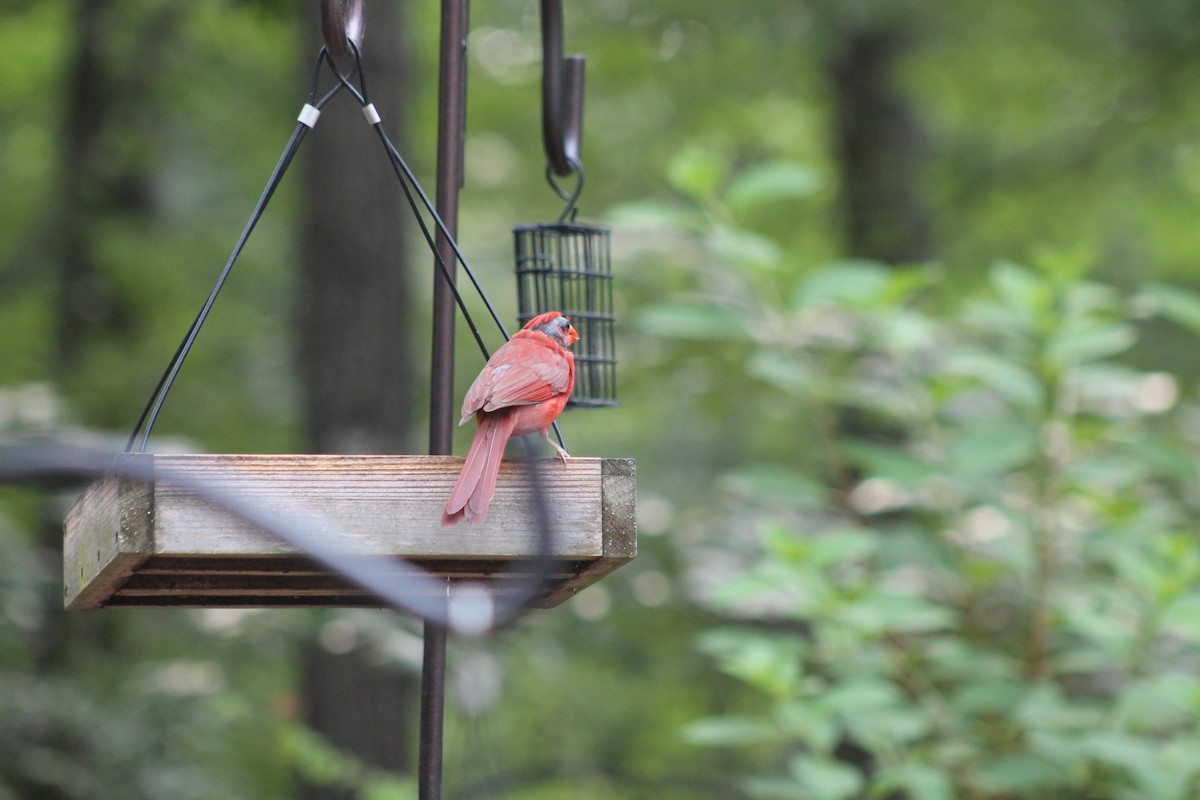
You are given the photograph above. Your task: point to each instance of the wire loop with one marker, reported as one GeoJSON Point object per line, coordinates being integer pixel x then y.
{"type": "Point", "coordinates": [570, 198]}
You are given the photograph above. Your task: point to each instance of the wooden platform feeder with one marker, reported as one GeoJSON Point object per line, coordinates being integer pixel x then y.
{"type": "Point", "coordinates": [136, 543]}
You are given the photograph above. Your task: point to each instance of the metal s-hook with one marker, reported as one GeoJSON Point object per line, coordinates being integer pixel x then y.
{"type": "Point", "coordinates": [562, 94]}
{"type": "Point", "coordinates": [342, 22]}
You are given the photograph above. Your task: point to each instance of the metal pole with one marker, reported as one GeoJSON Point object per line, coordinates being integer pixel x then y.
{"type": "Point", "coordinates": [433, 697]}
{"type": "Point", "coordinates": [452, 113]}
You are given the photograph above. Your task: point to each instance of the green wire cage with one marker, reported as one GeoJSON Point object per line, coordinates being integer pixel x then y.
{"type": "Point", "coordinates": [567, 267]}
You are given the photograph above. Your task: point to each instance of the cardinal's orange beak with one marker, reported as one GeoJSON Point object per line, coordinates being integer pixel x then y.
{"type": "Point", "coordinates": [572, 335]}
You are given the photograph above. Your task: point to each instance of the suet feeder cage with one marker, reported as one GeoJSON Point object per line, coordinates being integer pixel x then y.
{"type": "Point", "coordinates": [567, 266]}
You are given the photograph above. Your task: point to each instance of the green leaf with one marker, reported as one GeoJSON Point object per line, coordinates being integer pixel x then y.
{"type": "Point", "coordinates": [1022, 291]}
{"type": "Point", "coordinates": [315, 758]}
{"type": "Point", "coordinates": [771, 788]}
{"type": "Point", "coordinates": [1020, 774]}
{"type": "Point", "coordinates": [1045, 707]}
{"type": "Point", "coordinates": [774, 483]}
{"type": "Point", "coordinates": [826, 779]}
{"type": "Point", "coordinates": [730, 731]}
{"type": "Point", "coordinates": [1066, 750]}
{"type": "Point", "coordinates": [853, 282]}
{"type": "Point", "coordinates": [1173, 773]}
{"type": "Point", "coordinates": [917, 781]}
{"type": "Point", "coordinates": [891, 728]}
{"type": "Point", "coordinates": [1114, 634]}
{"type": "Point", "coordinates": [1159, 703]}
{"type": "Point", "coordinates": [880, 613]}
{"type": "Point", "coordinates": [1092, 343]}
{"type": "Point", "coordinates": [1118, 747]}
{"type": "Point", "coordinates": [838, 546]}
{"type": "Point", "coordinates": [992, 446]}
{"type": "Point", "coordinates": [697, 171]}
{"type": "Point", "coordinates": [771, 664]}
{"type": "Point", "coordinates": [389, 788]}
{"type": "Point", "coordinates": [1182, 618]}
{"type": "Point", "coordinates": [988, 695]}
{"type": "Point", "coordinates": [1006, 377]}
{"type": "Point", "coordinates": [691, 321]}
{"type": "Point", "coordinates": [647, 215]}
{"type": "Point", "coordinates": [771, 183]}
{"type": "Point", "coordinates": [789, 589]}
{"type": "Point", "coordinates": [1179, 305]}
{"type": "Point", "coordinates": [803, 721]}
{"type": "Point", "coordinates": [1066, 265]}
{"type": "Point", "coordinates": [1172, 458]}
{"type": "Point", "coordinates": [904, 331]}
{"type": "Point", "coordinates": [890, 463]}
{"type": "Point", "coordinates": [743, 248]}
{"type": "Point", "coordinates": [784, 371]}
{"type": "Point", "coordinates": [860, 697]}
{"type": "Point", "coordinates": [783, 543]}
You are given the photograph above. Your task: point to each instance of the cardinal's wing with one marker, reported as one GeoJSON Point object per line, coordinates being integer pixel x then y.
{"type": "Point", "coordinates": [525, 371]}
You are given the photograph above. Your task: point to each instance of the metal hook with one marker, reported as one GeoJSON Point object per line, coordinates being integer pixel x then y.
{"type": "Point", "coordinates": [562, 94]}
{"type": "Point", "coordinates": [342, 22]}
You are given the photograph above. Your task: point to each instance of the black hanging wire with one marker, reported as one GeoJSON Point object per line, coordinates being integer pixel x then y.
{"type": "Point", "coordinates": [410, 185]}
{"type": "Point", "coordinates": [151, 410]}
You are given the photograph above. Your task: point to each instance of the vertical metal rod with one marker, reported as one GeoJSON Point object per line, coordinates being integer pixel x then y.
{"type": "Point", "coordinates": [433, 701]}
{"type": "Point", "coordinates": [452, 112]}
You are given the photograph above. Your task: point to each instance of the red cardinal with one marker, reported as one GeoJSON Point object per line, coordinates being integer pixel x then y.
{"type": "Point", "coordinates": [522, 388]}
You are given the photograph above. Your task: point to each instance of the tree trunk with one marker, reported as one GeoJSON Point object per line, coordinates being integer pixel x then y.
{"type": "Point", "coordinates": [356, 363]}
{"type": "Point", "coordinates": [881, 146]}
{"type": "Point", "coordinates": [360, 709]}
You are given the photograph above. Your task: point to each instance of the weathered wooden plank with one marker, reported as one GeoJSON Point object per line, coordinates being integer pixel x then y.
{"type": "Point", "coordinates": [619, 540]}
{"type": "Point", "coordinates": [105, 540]}
{"type": "Point", "coordinates": [289, 565]}
{"type": "Point", "coordinates": [382, 504]}
{"type": "Point", "coordinates": [283, 564]}
{"type": "Point", "coordinates": [140, 585]}
{"type": "Point", "coordinates": [130, 542]}
{"type": "Point", "coordinates": [245, 601]}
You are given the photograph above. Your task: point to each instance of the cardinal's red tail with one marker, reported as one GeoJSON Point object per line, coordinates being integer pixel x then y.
{"type": "Point", "coordinates": [477, 482]}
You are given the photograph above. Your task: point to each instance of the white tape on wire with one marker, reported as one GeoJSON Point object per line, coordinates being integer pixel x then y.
{"type": "Point", "coordinates": [309, 115]}
{"type": "Point", "coordinates": [371, 114]}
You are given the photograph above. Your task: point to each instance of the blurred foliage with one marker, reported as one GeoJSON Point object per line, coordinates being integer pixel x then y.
{"type": "Point", "coordinates": [966, 564]}
{"type": "Point", "coordinates": [920, 532]}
